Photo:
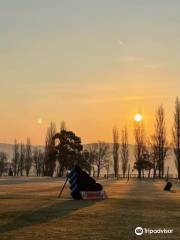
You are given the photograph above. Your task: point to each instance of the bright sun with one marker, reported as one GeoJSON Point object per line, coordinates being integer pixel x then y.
{"type": "Point", "coordinates": [138, 117]}
{"type": "Point", "coordinates": [39, 121]}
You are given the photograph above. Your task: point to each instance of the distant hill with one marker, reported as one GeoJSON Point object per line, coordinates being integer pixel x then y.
{"type": "Point", "coordinates": [8, 148]}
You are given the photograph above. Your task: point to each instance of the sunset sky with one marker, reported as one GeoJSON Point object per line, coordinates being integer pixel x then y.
{"type": "Point", "coordinates": [91, 63]}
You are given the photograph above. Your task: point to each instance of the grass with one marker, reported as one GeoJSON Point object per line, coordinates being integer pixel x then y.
{"type": "Point", "coordinates": [29, 209]}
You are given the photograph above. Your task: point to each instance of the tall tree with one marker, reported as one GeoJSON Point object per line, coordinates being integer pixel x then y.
{"type": "Point", "coordinates": [101, 150]}
{"type": "Point", "coordinates": [38, 158]}
{"type": "Point", "coordinates": [21, 162]}
{"type": "Point", "coordinates": [68, 150]}
{"type": "Point", "coordinates": [176, 135]}
{"type": "Point", "coordinates": [50, 153]}
{"type": "Point", "coordinates": [140, 146]}
{"type": "Point", "coordinates": [124, 150]}
{"type": "Point", "coordinates": [28, 157]}
{"type": "Point", "coordinates": [3, 162]}
{"type": "Point", "coordinates": [116, 151]}
{"type": "Point", "coordinates": [159, 141]}
{"type": "Point", "coordinates": [92, 150]}
{"type": "Point", "coordinates": [15, 159]}
{"type": "Point", "coordinates": [107, 165]}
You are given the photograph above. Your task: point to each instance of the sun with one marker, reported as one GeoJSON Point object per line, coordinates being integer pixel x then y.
{"type": "Point", "coordinates": [138, 117]}
{"type": "Point", "coordinates": [39, 121]}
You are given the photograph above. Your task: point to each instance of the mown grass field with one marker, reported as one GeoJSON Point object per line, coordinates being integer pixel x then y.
{"type": "Point", "coordinates": [29, 209]}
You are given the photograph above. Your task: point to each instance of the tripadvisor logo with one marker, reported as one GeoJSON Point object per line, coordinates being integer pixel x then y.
{"type": "Point", "coordinates": [140, 231]}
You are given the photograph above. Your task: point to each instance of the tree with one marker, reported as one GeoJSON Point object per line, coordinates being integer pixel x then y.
{"type": "Point", "coordinates": [68, 150]}
{"type": "Point", "coordinates": [3, 162]}
{"type": "Point", "coordinates": [86, 162]}
{"type": "Point", "coordinates": [107, 165]}
{"type": "Point", "coordinates": [101, 150]}
{"type": "Point", "coordinates": [28, 157]}
{"type": "Point", "coordinates": [176, 135]}
{"type": "Point", "coordinates": [124, 150]}
{"type": "Point", "coordinates": [15, 159]}
{"type": "Point", "coordinates": [50, 152]}
{"type": "Point", "coordinates": [92, 152]}
{"type": "Point", "coordinates": [38, 158]}
{"type": "Point", "coordinates": [21, 162]}
{"type": "Point", "coordinates": [145, 163]}
{"type": "Point", "coordinates": [140, 146]}
{"type": "Point", "coordinates": [116, 151]}
{"type": "Point", "coordinates": [63, 126]}
{"type": "Point", "coordinates": [159, 142]}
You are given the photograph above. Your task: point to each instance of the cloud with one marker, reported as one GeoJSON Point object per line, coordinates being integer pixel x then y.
{"type": "Point", "coordinates": [130, 58]}
{"type": "Point", "coordinates": [120, 43]}
{"type": "Point", "coordinates": [111, 99]}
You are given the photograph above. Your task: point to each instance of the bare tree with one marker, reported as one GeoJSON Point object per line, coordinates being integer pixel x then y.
{"type": "Point", "coordinates": [116, 151]}
{"type": "Point", "coordinates": [38, 158]}
{"type": "Point", "coordinates": [50, 155]}
{"type": "Point", "coordinates": [124, 150]}
{"type": "Point", "coordinates": [21, 162]}
{"type": "Point", "coordinates": [140, 146]}
{"type": "Point", "coordinates": [154, 154]}
{"type": "Point", "coordinates": [15, 159]}
{"type": "Point", "coordinates": [28, 157]}
{"type": "Point", "coordinates": [3, 162]}
{"type": "Point", "coordinates": [101, 151]}
{"type": "Point", "coordinates": [176, 135]}
{"type": "Point", "coordinates": [107, 165]}
{"type": "Point", "coordinates": [159, 142]}
{"type": "Point", "coordinates": [90, 156]}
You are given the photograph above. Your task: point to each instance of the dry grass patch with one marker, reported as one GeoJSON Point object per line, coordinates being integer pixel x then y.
{"type": "Point", "coordinates": [34, 212]}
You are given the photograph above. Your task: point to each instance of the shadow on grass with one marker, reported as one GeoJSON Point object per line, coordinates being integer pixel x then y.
{"type": "Point", "coordinates": [44, 214]}
{"type": "Point", "coordinates": [27, 180]}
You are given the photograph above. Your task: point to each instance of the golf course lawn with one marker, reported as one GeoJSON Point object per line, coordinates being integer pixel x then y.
{"type": "Point", "coordinates": [30, 209]}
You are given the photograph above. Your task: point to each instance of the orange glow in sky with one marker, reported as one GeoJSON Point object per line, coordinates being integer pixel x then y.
{"type": "Point", "coordinates": [90, 65]}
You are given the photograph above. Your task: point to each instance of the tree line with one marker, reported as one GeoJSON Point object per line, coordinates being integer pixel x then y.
{"type": "Point", "coordinates": [151, 153]}
{"type": "Point", "coordinates": [63, 149]}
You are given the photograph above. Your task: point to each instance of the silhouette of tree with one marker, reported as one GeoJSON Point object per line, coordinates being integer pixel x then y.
{"type": "Point", "coordinates": [21, 161]}
{"type": "Point", "coordinates": [176, 135]}
{"type": "Point", "coordinates": [50, 152]}
{"type": "Point", "coordinates": [68, 150]}
{"type": "Point", "coordinates": [28, 157]}
{"type": "Point", "coordinates": [159, 142]}
{"type": "Point", "coordinates": [116, 151]}
{"type": "Point", "coordinates": [101, 154]}
{"type": "Point", "coordinates": [107, 164]}
{"type": "Point", "coordinates": [145, 163]}
{"type": "Point", "coordinates": [92, 150]}
{"type": "Point", "coordinates": [15, 159]}
{"type": "Point", "coordinates": [3, 162]}
{"type": "Point", "coordinates": [86, 162]}
{"type": "Point", "coordinates": [140, 147]}
{"type": "Point", "coordinates": [124, 150]}
{"type": "Point", "coordinates": [38, 159]}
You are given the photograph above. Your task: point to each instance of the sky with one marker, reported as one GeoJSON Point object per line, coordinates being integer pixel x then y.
{"type": "Point", "coordinates": [93, 64]}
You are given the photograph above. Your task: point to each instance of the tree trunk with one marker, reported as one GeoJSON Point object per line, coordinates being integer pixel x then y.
{"type": "Point", "coordinates": [98, 171]}
{"type": "Point", "coordinates": [179, 170]}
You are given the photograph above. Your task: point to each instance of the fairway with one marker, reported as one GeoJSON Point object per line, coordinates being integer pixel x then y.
{"type": "Point", "coordinates": [29, 209]}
